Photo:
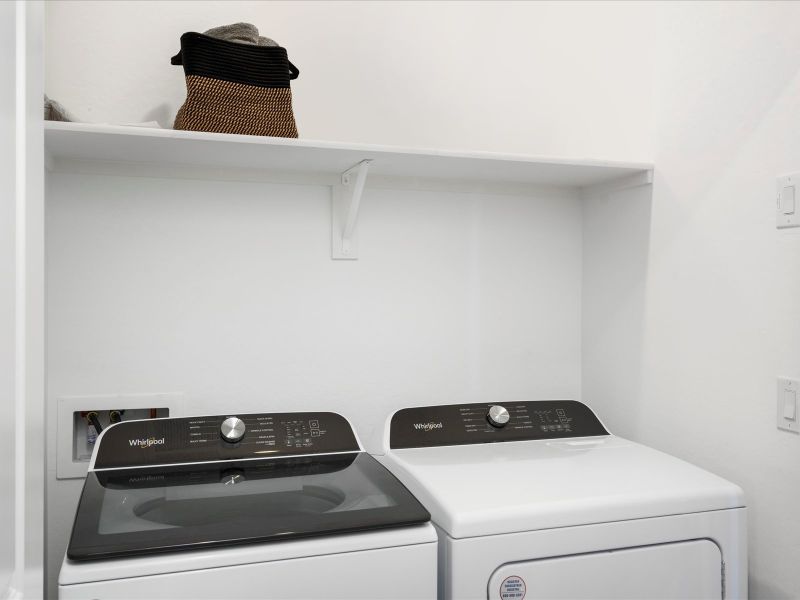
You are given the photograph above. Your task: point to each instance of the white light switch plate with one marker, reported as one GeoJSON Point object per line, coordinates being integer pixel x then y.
{"type": "Point", "coordinates": [787, 409]}
{"type": "Point", "coordinates": [787, 210]}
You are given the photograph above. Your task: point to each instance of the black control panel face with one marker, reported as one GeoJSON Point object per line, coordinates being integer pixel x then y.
{"type": "Point", "coordinates": [459, 424]}
{"type": "Point", "coordinates": [223, 437]}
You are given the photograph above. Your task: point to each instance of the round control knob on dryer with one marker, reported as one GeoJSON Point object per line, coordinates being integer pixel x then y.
{"type": "Point", "coordinates": [232, 429]}
{"type": "Point", "coordinates": [498, 416]}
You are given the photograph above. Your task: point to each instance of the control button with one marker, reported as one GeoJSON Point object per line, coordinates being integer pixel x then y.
{"type": "Point", "coordinates": [232, 429]}
{"type": "Point", "coordinates": [497, 416]}
{"type": "Point", "coordinates": [314, 424]}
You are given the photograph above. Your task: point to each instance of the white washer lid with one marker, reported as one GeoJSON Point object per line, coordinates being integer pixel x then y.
{"type": "Point", "coordinates": [487, 489]}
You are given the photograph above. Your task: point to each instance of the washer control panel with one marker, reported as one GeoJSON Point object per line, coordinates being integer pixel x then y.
{"type": "Point", "coordinates": [481, 423]}
{"type": "Point", "coordinates": [223, 437]}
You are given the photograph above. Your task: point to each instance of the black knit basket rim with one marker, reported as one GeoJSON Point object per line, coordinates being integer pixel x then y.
{"type": "Point", "coordinates": [294, 72]}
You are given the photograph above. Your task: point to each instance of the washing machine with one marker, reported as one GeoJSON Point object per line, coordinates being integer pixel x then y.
{"type": "Point", "coordinates": [535, 500]}
{"type": "Point", "coordinates": [275, 505]}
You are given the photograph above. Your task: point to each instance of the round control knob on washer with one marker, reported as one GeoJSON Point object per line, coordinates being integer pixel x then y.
{"type": "Point", "coordinates": [498, 416]}
{"type": "Point", "coordinates": [232, 429]}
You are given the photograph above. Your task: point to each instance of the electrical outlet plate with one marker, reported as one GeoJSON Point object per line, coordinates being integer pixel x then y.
{"type": "Point", "coordinates": [787, 409]}
{"type": "Point", "coordinates": [787, 212]}
{"type": "Point", "coordinates": [71, 463]}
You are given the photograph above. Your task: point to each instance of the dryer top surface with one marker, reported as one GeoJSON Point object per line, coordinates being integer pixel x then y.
{"type": "Point", "coordinates": [487, 489]}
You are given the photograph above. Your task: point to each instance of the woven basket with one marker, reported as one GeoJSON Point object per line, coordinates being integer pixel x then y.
{"type": "Point", "coordinates": [235, 88]}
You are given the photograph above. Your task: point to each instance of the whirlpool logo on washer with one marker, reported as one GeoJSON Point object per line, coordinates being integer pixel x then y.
{"type": "Point", "coordinates": [146, 478]}
{"type": "Point", "coordinates": [146, 442]}
{"type": "Point", "coordinates": [428, 426]}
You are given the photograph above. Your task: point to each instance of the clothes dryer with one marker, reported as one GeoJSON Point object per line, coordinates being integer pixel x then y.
{"type": "Point", "coordinates": [537, 500]}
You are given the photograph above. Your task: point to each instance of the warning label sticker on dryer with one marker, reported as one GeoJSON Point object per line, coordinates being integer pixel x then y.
{"type": "Point", "coordinates": [512, 588]}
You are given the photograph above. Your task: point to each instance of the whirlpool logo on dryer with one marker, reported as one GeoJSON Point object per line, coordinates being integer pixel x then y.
{"type": "Point", "coordinates": [146, 442]}
{"type": "Point", "coordinates": [428, 426]}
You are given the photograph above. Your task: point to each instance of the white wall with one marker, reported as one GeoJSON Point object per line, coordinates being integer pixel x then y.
{"type": "Point", "coordinates": [7, 289]}
{"type": "Point", "coordinates": [690, 304]}
{"type": "Point", "coordinates": [227, 291]}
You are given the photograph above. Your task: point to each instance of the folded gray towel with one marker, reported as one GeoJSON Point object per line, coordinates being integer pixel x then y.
{"type": "Point", "coordinates": [53, 111]}
{"type": "Point", "coordinates": [244, 33]}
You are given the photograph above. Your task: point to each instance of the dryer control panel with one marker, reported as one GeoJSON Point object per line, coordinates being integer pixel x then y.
{"type": "Point", "coordinates": [223, 437]}
{"type": "Point", "coordinates": [481, 423]}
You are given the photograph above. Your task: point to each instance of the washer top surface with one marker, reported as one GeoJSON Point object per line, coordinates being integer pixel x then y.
{"type": "Point", "coordinates": [548, 481]}
{"type": "Point", "coordinates": [199, 482]}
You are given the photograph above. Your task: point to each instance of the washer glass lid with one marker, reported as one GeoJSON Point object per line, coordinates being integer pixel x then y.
{"type": "Point", "coordinates": [157, 509]}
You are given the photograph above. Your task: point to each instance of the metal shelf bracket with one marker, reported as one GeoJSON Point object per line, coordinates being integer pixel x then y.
{"type": "Point", "coordinates": [345, 202]}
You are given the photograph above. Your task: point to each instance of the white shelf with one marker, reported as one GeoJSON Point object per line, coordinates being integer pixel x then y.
{"type": "Point", "coordinates": [178, 152]}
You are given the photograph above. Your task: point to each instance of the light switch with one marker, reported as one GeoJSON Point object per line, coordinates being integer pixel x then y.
{"type": "Point", "coordinates": [787, 213]}
{"type": "Point", "coordinates": [789, 404]}
{"type": "Point", "coordinates": [787, 200]}
{"type": "Point", "coordinates": [788, 390]}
